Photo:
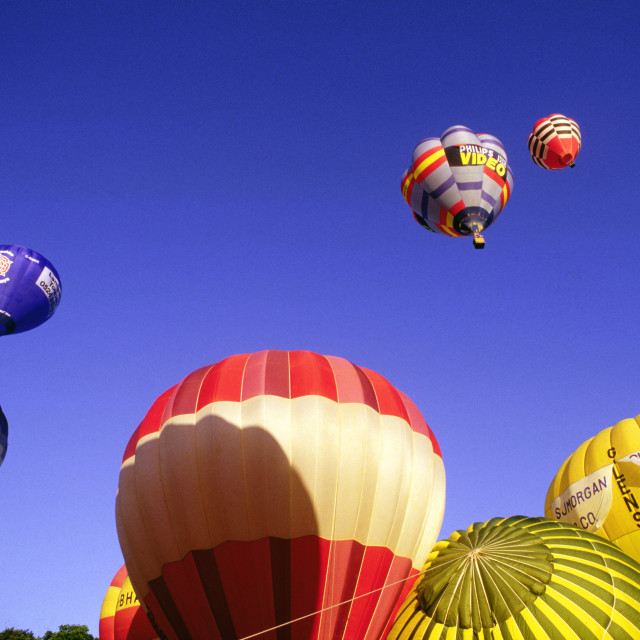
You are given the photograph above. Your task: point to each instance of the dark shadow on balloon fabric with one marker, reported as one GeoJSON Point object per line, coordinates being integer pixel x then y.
{"type": "Point", "coordinates": [251, 586]}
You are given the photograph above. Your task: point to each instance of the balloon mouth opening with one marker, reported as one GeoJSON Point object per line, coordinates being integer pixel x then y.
{"type": "Point", "coordinates": [567, 160]}
{"type": "Point", "coordinates": [472, 220]}
{"type": "Point", "coordinates": [7, 325]}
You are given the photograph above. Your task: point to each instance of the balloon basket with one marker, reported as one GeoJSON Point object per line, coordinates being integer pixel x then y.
{"type": "Point", "coordinates": [478, 241]}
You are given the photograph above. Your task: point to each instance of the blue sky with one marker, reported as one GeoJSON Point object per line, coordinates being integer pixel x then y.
{"type": "Point", "coordinates": [212, 179]}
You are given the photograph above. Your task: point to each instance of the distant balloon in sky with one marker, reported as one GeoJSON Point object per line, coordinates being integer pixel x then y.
{"type": "Point", "coordinates": [459, 183]}
{"type": "Point", "coordinates": [29, 289]}
{"type": "Point", "coordinates": [121, 616]}
{"type": "Point", "coordinates": [597, 487]}
{"type": "Point", "coordinates": [524, 578]}
{"type": "Point", "coordinates": [4, 435]}
{"type": "Point", "coordinates": [270, 490]}
{"type": "Point", "coordinates": [555, 142]}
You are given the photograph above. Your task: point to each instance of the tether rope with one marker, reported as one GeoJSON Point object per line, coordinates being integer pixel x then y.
{"type": "Point", "coordinates": [333, 606]}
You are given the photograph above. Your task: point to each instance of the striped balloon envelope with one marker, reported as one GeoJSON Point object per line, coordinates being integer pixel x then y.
{"type": "Point", "coordinates": [555, 142]}
{"type": "Point", "coordinates": [458, 184]}
{"type": "Point", "coordinates": [279, 494]}
{"type": "Point", "coordinates": [598, 486]}
{"type": "Point", "coordinates": [121, 616]}
{"type": "Point", "coordinates": [108, 610]}
{"type": "Point", "coordinates": [523, 579]}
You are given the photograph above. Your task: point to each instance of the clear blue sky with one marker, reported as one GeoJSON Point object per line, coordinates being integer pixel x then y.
{"type": "Point", "coordinates": [219, 178]}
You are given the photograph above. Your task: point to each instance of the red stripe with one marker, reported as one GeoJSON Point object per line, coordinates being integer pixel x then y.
{"type": "Point", "coordinates": [503, 198]}
{"type": "Point", "coordinates": [106, 623]}
{"type": "Point", "coordinates": [308, 574]}
{"type": "Point", "coordinates": [311, 375]}
{"type": "Point", "coordinates": [406, 186]}
{"type": "Point", "coordinates": [164, 615]}
{"type": "Point", "coordinates": [457, 207]}
{"type": "Point", "coordinates": [280, 373]}
{"type": "Point", "coordinates": [418, 423]}
{"type": "Point", "coordinates": [428, 153]}
{"type": "Point", "coordinates": [406, 587]}
{"type": "Point", "coordinates": [429, 169]}
{"type": "Point", "coordinates": [244, 570]}
{"type": "Point", "coordinates": [494, 176]}
{"type": "Point", "coordinates": [184, 584]}
{"type": "Point", "coordinates": [184, 399]}
{"type": "Point", "coordinates": [389, 596]}
{"type": "Point", "coordinates": [158, 618]}
{"type": "Point", "coordinates": [266, 373]}
{"type": "Point", "coordinates": [149, 424]}
{"type": "Point", "coordinates": [223, 381]}
{"type": "Point", "coordinates": [374, 574]}
{"type": "Point", "coordinates": [352, 383]}
{"type": "Point", "coordinates": [131, 623]}
{"type": "Point", "coordinates": [345, 561]}
{"type": "Point", "coordinates": [389, 401]}
{"type": "Point", "coordinates": [299, 577]}
{"type": "Point", "coordinates": [105, 628]}
{"type": "Point", "coordinates": [141, 628]}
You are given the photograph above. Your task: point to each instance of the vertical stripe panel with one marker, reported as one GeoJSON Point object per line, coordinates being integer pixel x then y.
{"type": "Point", "coordinates": [167, 610]}
{"type": "Point", "coordinates": [266, 373]}
{"type": "Point", "coordinates": [373, 572]}
{"type": "Point", "coordinates": [223, 381]}
{"type": "Point", "coordinates": [245, 571]}
{"type": "Point", "coordinates": [308, 572]}
{"type": "Point", "coordinates": [352, 383]}
{"type": "Point", "coordinates": [389, 596]}
{"type": "Point", "coordinates": [150, 424]}
{"type": "Point", "coordinates": [311, 374]}
{"type": "Point", "coordinates": [185, 395]}
{"type": "Point", "coordinates": [389, 401]}
{"type": "Point", "coordinates": [183, 584]}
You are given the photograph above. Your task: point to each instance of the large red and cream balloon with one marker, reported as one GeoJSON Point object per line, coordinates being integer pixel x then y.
{"type": "Point", "coordinates": [279, 494]}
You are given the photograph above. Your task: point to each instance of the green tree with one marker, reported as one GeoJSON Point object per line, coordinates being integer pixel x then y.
{"type": "Point", "coordinates": [69, 632]}
{"type": "Point", "coordinates": [17, 634]}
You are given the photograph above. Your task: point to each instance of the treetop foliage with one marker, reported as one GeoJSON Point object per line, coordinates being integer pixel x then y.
{"type": "Point", "coordinates": [64, 632]}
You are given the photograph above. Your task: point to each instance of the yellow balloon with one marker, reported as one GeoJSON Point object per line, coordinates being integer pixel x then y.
{"type": "Point", "coordinates": [598, 486]}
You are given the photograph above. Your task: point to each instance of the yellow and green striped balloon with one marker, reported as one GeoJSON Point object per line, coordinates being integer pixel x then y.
{"type": "Point", "coordinates": [523, 578]}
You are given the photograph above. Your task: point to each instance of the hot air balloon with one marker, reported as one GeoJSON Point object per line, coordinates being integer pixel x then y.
{"type": "Point", "coordinates": [458, 184]}
{"type": "Point", "coordinates": [279, 493]}
{"type": "Point", "coordinates": [121, 616]}
{"type": "Point", "coordinates": [597, 487]}
{"type": "Point", "coordinates": [4, 435]}
{"type": "Point", "coordinates": [555, 142]}
{"type": "Point", "coordinates": [523, 578]}
{"type": "Point", "coordinates": [29, 289]}
{"type": "Point", "coordinates": [108, 610]}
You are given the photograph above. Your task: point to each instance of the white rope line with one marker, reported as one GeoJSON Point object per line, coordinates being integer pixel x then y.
{"type": "Point", "coordinates": [333, 606]}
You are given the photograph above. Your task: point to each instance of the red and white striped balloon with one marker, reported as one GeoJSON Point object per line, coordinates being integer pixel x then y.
{"type": "Point", "coordinates": [555, 142]}
{"type": "Point", "coordinates": [279, 494]}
